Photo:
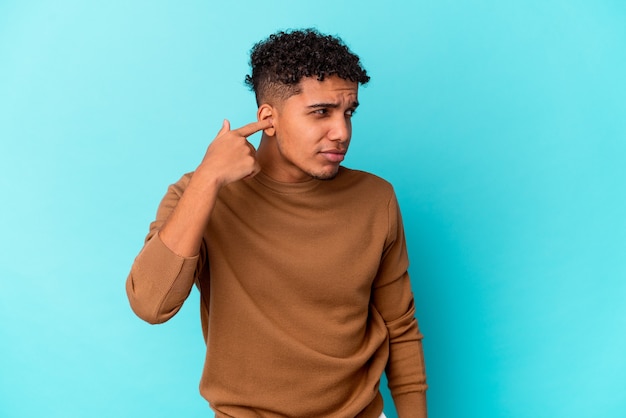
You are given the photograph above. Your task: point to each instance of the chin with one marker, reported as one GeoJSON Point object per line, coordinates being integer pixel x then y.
{"type": "Point", "coordinates": [325, 176]}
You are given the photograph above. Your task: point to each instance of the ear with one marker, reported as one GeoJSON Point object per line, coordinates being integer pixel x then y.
{"type": "Point", "coordinates": [267, 111]}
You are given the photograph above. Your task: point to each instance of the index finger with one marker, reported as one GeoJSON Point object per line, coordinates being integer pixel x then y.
{"type": "Point", "coordinates": [254, 127]}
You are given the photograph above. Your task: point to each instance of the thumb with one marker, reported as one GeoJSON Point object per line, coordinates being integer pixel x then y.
{"type": "Point", "coordinates": [225, 127]}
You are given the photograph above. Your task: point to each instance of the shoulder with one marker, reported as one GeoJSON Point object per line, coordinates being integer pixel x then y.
{"type": "Point", "coordinates": [364, 180]}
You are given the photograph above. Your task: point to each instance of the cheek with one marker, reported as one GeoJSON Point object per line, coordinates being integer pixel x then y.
{"type": "Point", "coordinates": [300, 137]}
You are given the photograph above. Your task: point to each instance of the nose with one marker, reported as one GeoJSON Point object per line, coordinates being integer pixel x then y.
{"type": "Point", "coordinates": [341, 129]}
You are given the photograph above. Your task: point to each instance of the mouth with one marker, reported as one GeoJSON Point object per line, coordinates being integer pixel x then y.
{"type": "Point", "coordinates": [334, 156]}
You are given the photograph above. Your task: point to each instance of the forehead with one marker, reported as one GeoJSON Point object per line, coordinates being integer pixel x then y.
{"type": "Point", "coordinates": [331, 88]}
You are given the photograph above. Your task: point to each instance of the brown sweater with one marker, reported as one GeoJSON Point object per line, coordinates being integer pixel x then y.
{"type": "Point", "coordinates": [305, 298]}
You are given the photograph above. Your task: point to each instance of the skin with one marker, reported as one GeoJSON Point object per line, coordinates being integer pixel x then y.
{"type": "Point", "coordinates": [311, 131]}
{"type": "Point", "coordinates": [304, 136]}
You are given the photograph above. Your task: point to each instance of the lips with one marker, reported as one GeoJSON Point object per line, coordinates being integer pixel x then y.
{"type": "Point", "coordinates": [334, 156]}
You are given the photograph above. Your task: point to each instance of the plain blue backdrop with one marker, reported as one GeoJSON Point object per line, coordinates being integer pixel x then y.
{"type": "Point", "coordinates": [502, 125]}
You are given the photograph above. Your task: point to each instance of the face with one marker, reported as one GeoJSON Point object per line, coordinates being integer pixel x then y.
{"type": "Point", "coordinates": [313, 130]}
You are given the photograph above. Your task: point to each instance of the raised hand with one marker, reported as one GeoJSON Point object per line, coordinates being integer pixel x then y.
{"type": "Point", "coordinates": [230, 157]}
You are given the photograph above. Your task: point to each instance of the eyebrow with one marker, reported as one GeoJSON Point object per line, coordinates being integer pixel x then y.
{"type": "Point", "coordinates": [353, 105]}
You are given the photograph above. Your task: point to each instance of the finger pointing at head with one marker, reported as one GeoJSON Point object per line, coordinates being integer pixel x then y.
{"type": "Point", "coordinates": [254, 127]}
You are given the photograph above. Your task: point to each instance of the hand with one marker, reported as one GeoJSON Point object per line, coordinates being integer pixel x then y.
{"type": "Point", "coordinates": [230, 157]}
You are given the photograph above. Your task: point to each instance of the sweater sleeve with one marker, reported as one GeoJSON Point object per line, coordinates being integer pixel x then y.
{"type": "Point", "coordinates": [393, 299]}
{"type": "Point", "coordinates": [160, 280]}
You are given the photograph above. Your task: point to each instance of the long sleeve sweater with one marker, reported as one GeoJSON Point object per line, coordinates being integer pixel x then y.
{"type": "Point", "coordinates": [305, 298]}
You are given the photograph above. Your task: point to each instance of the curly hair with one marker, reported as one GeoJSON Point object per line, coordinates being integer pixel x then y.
{"type": "Point", "coordinates": [279, 63]}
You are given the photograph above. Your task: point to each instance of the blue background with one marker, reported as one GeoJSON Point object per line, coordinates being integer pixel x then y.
{"type": "Point", "coordinates": [501, 124]}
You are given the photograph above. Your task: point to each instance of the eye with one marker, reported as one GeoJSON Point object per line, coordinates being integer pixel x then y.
{"type": "Point", "coordinates": [350, 112]}
{"type": "Point", "coordinates": [321, 111]}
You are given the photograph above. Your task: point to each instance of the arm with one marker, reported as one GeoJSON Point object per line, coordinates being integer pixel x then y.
{"type": "Point", "coordinates": [393, 298]}
{"type": "Point", "coordinates": [163, 273]}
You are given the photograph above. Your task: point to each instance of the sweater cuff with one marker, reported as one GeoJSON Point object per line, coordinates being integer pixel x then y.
{"type": "Point", "coordinates": [159, 282]}
{"type": "Point", "coordinates": [156, 251]}
{"type": "Point", "coordinates": [411, 405]}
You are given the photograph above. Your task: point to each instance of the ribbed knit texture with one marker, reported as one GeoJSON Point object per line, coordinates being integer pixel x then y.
{"type": "Point", "coordinates": [305, 298]}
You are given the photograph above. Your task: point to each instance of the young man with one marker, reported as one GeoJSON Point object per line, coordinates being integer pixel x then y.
{"type": "Point", "coordinates": [301, 263]}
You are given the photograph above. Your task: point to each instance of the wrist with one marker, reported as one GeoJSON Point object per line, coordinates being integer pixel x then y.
{"type": "Point", "coordinates": [206, 180]}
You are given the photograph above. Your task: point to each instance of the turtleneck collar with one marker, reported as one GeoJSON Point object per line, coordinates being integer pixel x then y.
{"type": "Point", "coordinates": [286, 188]}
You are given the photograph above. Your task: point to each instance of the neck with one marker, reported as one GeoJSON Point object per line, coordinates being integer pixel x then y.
{"type": "Point", "coordinates": [265, 154]}
{"type": "Point", "coordinates": [273, 163]}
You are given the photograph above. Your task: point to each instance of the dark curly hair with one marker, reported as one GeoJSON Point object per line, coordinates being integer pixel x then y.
{"type": "Point", "coordinates": [282, 60]}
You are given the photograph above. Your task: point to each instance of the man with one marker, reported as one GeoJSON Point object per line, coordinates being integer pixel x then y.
{"type": "Point", "coordinates": [301, 263]}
